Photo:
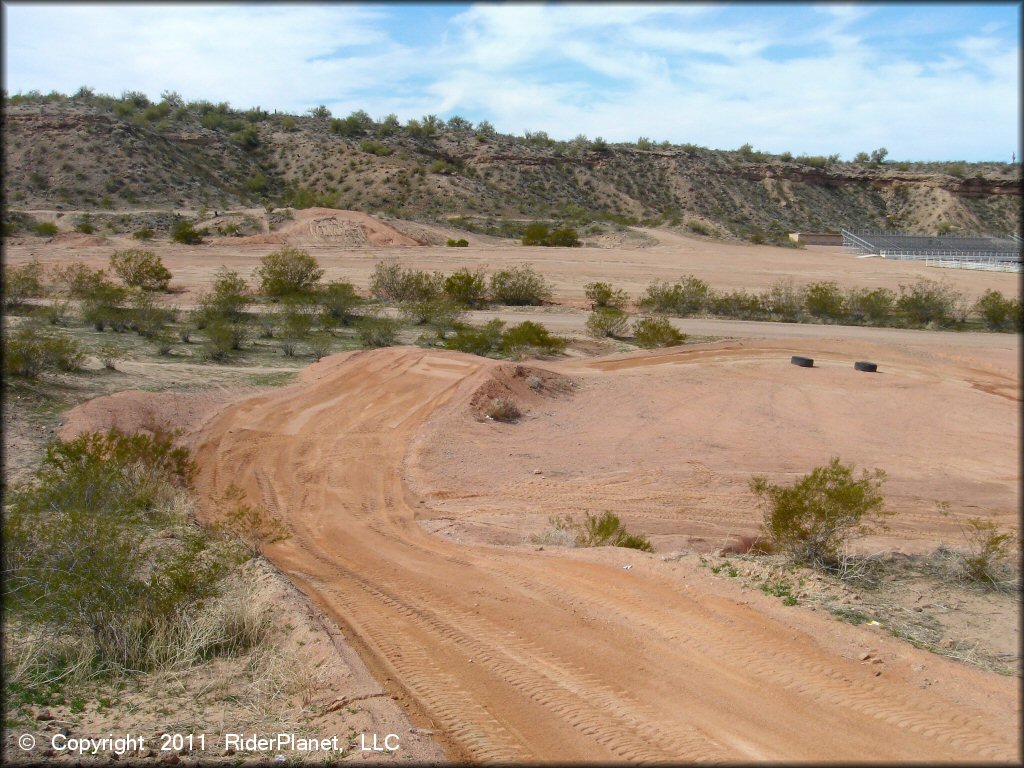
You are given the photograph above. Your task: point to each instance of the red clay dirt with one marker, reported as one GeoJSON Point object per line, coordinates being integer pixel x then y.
{"type": "Point", "coordinates": [523, 655]}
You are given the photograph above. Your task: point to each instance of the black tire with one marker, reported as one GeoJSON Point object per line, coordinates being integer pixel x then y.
{"type": "Point", "coordinates": [864, 365]}
{"type": "Point", "coordinates": [803, 362]}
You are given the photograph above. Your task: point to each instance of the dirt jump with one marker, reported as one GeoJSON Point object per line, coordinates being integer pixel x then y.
{"type": "Point", "coordinates": [520, 654]}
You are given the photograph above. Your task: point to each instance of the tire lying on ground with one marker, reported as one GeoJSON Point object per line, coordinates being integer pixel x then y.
{"type": "Point", "coordinates": [864, 365]}
{"type": "Point", "coordinates": [803, 362]}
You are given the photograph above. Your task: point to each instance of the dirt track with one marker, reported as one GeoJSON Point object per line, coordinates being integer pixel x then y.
{"type": "Point", "coordinates": [518, 655]}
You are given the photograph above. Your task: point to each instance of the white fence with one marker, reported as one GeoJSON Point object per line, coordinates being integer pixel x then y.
{"type": "Point", "coordinates": [961, 263]}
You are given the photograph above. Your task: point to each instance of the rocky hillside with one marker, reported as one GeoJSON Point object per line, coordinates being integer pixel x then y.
{"type": "Point", "coordinates": [103, 153]}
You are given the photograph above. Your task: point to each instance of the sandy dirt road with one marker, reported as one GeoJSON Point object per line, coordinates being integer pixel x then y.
{"type": "Point", "coordinates": [520, 655]}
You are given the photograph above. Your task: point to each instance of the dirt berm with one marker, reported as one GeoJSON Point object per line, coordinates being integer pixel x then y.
{"type": "Point", "coordinates": [520, 655]}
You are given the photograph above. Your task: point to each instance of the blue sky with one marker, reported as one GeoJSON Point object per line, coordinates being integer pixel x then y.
{"type": "Point", "coordinates": [928, 82]}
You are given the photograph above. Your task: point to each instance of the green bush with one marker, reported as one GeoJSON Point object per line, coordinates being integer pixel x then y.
{"type": "Point", "coordinates": [390, 282]}
{"type": "Point", "coordinates": [607, 321]}
{"type": "Point", "coordinates": [460, 243]}
{"type": "Point", "coordinates": [604, 295]}
{"type": "Point", "coordinates": [225, 336]}
{"type": "Point", "coordinates": [226, 300]}
{"type": "Point", "coordinates": [338, 299]}
{"type": "Point", "coordinates": [824, 300]}
{"type": "Point", "coordinates": [998, 312]}
{"type": "Point", "coordinates": [784, 301]}
{"type": "Point", "coordinates": [140, 269]}
{"type": "Point", "coordinates": [739, 304]}
{"type": "Point", "coordinates": [144, 233]}
{"type": "Point", "coordinates": [28, 352]}
{"type": "Point", "coordinates": [80, 559]}
{"type": "Point", "coordinates": [814, 518]}
{"type": "Point", "coordinates": [79, 281]}
{"type": "Point", "coordinates": [604, 531]}
{"type": "Point", "coordinates": [296, 320]}
{"type": "Point", "coordinates": [105, 306]}
{"type": "Point", "coordinates": [519, 286]}
{"type": "Point", "coordinates": [541, 234]}
{"type": "Point", "coordinates": [689, 296]}
{"type": "Point", "coordinates": [928, 301]}
{"type": "Point", "coordinates": [288, 271]}
{"type": "Point", "coordinates": [375, 148]}
{"type": "Point", "coordinates": [143, 316]}
{"type": "Point", "coordinates": [530, 338]}
{"type": "Point", "coordinates": [377, 331]}
{"type": "Point", "coordinates": [183, 232]}
{"type": "Point", "coordinates": [443, 314]}
{"type": "Point", "coordinates": [873, 306]}
{"type": "Point", "coordinates": [45, 228]}
{"type": "Point", "coordinates": [467, 288]}
{"type": "Point", "coordinates": [485, 341]}
{"type": "Point", "coordinates": [24, 282]}
{"type": "Point", "coordinates": [653, 332]}
{"type": "Point", "coordinates": [85, 225]}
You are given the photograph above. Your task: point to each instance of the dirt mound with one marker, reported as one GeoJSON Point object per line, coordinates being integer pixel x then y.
{"type": "Point", "coordinates": [79, 239]}
{"type": "Point", "coordinates": [525, 385]}
{"type": "Point", "coordinates": [516, 655]}
{"type": "Point", "coordinates": [328, 226]}
{"type": "Point", "coordinates": [138, 411]}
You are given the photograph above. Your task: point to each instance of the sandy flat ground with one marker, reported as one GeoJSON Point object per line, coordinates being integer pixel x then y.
{"type": "Point", "coordinates": [725, 266]}
{"type": "Point", "coordinates": [411, 514]}
{"type": "Point", "coordinates": [525, 655]}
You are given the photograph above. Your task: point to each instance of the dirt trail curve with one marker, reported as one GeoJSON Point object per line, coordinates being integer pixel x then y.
{"type": "Point", "coordinates": [527, 656]}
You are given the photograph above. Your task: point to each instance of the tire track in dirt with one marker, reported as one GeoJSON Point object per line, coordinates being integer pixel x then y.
{"type": "Point", "coordinates": [522, 657]}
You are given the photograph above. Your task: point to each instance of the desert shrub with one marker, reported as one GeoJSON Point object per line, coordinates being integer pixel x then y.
{"type": "Point", "coordinates": [28, 352]}
{"type": "Point", "coordinates": [338, 299]}
{"type": "Point", "coordinates": [390, 282]}
{"type": "Point", "coordinates": [140, 269]}
{"type": "Point", "coordinates": [105, 306]}
{"type": "Point", "coordinates": [870, 305]}
{"type": "Point", "coordinates": [784, 301]}
{"type": "Point", "coordinates": [183, 232]}
{"type": "Point", "coordinates": [998, 312]}
{"type": "Point", "coordinates": [824, 300]}
{"type": "Point", "coordinates": [467, 287]}
{"type": "Point", "coordinates": [502, 409]}
{"type": "Point", "coordinates": [85, 225]}
{"type": "Point", "coordinates": [519, 286]}
{"type": "Point", "coordinates": [604, 295]}
{"type": "Point", "coordinates": [377, 331]}
{"type": "Point", "coordinates": [226, 299]}
{"type": "Point", "coordinates": [530, 338]}
{"type": "Point", "coordinates": [740, 304]}
{"type": "Point", "coordinates": [699, 227]}
{"type": "Point", "coordinates": [44, 228]}
{"type": "Point", "coordinates": [653, 332]}
{"type": "Point", "coordinates": [254, 526]}
{"type": "Point", "coordinates": [928, 301]}
{"type": "Point", "coordinates": [375, 148]}
{"type": "Point", "coordinates": [224, 336]}
{"type": "Point", "coordinates": [144, 233]}
{"type": "Point", "coordinates": [80, 560]}
{"type": "Point", "coordinates": [604, 531]}
{"type": "Point", "coordinates": [460, 243]}
{"type": "Point", "coordinates": [79, 281]}
{"type": "Point", "coordinates": [607, 321]}
{"type": "Point", "coordinates": [109, 353]}
{"type": "Point", "coordinates": [686, 297]}
{"type": "Point", "coordinates": [485, 341]}
{"type": "Point", "coordinates": [143, 316]}
{"type": "Point", "coordinates": [320, 344]}
{"type": "Point", "coordinates": [563, 237]}
{"type": "Point", "coordinates": [288, 271]}
{"type": "Point", "coordinates": [24, 282]}
{"type": "Point", "coordinates": [296, 321]}
{"type": "Point", "coordinates": [443, 314]}
{"type": "Point", "coordinates": [539, 233]}
{"type": "Point", "coordinates": [813, 519]}
{"type": "Point", "coordinates": [988, 551]}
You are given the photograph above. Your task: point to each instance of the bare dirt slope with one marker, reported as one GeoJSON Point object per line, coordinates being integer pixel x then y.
{"type": "Point", "coordinates": [669, 440]}
{"type": "Point", "coordinates": [329, 226]}
{"type": "Point", "coordinates": [530, 656]}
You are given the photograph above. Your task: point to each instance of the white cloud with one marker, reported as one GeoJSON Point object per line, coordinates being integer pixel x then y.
{"type": "Point", "coordinates": [704, 74]}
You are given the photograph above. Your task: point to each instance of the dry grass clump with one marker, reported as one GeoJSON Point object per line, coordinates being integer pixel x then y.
{"type": "Point", "coordinates": [503, 409]}
{"type": "Point", "coordinates": [593, 531]}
